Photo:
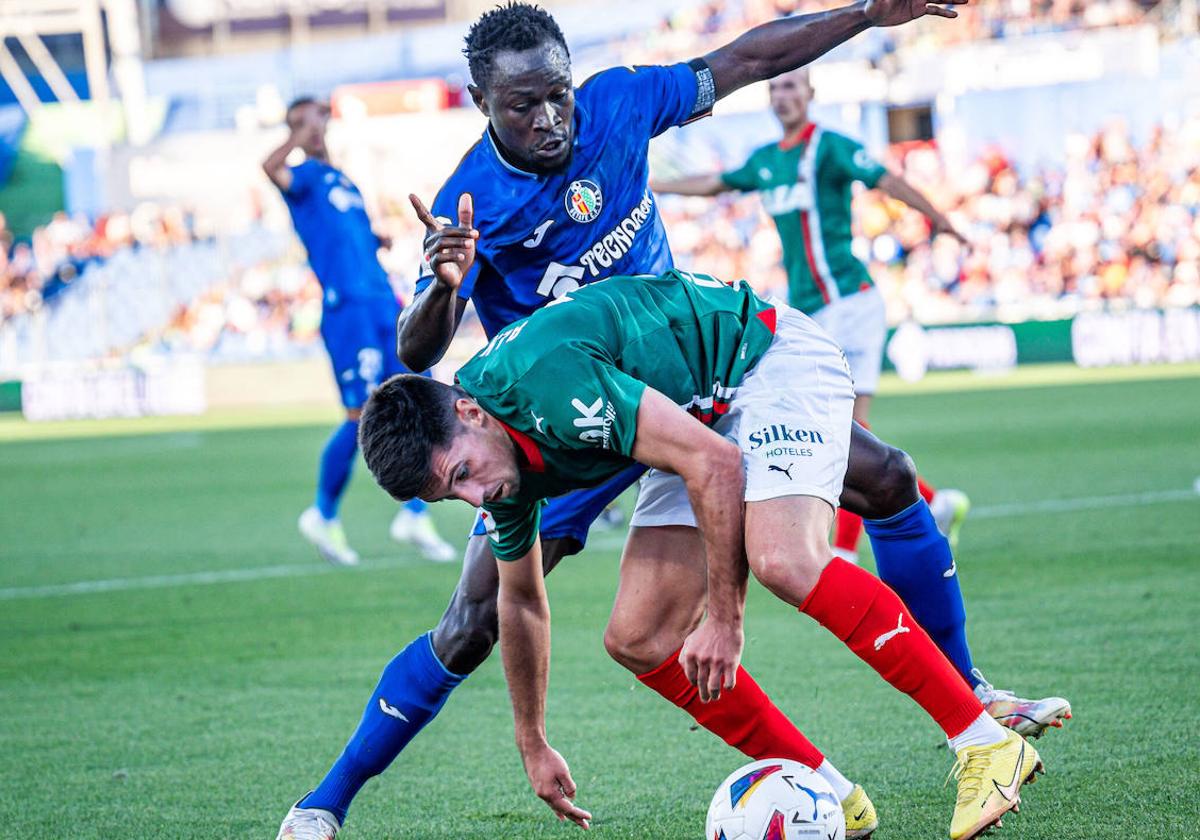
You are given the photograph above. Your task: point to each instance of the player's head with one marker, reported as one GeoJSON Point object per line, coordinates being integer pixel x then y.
{"type": "Point", "coordinates": [307, 118]}
{"type": "Point", "coordinates": [422, 438]}
{"type": "Point", "coordinates": [791, 94]}
{"type": "Point", "coordinates": [521, 70]}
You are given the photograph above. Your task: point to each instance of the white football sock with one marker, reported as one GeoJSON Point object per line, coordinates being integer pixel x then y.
{"type": "Point", "coordinates": [842, 786]}
{"type": "Point", "coordinates": [983, 732]}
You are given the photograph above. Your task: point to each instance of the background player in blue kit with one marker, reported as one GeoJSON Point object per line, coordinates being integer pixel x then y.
{"type": "Point", "coordinates": [357, 321]}
{"type": "Point", "coordinates": [560, 180]}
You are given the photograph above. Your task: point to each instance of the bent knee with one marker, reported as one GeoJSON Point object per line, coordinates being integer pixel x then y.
{"type": "Point", "coordinates": [896, 488]}
{"type": "Point", "coordinates": [790, 573]}
{"type": "Point", "coordinates": [465, 636]}
{"type": "Point", "coordinates": [638, 651]}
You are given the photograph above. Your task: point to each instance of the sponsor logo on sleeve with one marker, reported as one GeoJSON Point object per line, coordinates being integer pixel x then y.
{"type": "Point", "coordinates": [596, 421]}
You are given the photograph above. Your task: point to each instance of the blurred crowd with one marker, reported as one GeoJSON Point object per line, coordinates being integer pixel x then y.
{"type": "Point", "coordinates": [1117, 225]}
{"type": "Point", "coordinates": [56, 254]}
{"type": "Point", "coordinates": [697, 29]}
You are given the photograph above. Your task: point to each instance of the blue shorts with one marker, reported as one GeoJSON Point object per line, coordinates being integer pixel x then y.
{"type": "Point", "coordinates": [360, 336]}
{"type": "Point", "coordinates": [572, 514]}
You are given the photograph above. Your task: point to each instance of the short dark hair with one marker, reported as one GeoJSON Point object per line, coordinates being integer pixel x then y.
{"type": "Point", "coordinates": [405, 418]}
{"type": "Point", "coordinates": [514, 26]}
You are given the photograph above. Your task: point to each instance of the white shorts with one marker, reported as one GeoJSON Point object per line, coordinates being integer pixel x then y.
{"type": "Point", "coordinates": [791, 416]}
{"type": "Point", "coordinates": [858, 323]}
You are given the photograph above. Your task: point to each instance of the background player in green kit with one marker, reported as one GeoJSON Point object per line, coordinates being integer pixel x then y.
{"type": "Point", "coordinates": [743, 409]}
{"type": "Point", "coordinates": [805, 182]}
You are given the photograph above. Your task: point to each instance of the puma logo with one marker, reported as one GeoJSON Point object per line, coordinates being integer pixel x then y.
{"type": "Point", "coordinates": [891, 634]}
{"type": "Point", "coordinates": [785, 470]}
{"type": "Point", "coordinates": [391, 711]}
{"type": "Point", "coordinates": [949, 573]}
{"type": "Point", "coordinates": [537, 421]}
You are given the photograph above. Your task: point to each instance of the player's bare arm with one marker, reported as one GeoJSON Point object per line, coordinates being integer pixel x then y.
{"type": "Point", "coordinates": [275, 166]}
{"type": "Point", "coordinates": [426, 327]}
{"type": "Point", "coordinates": [711, 468]}
{"type": "Point", "coordinates": [524, 613]}
{"type": "Point", "coordinates": [785, 44]}
{"type": "Point", "coordinates": [706, 185]}
{"type": "Point", "coordinates": [902, 190]}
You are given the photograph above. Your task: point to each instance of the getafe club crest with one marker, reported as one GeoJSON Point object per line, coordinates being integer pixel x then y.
{"type": "Point", "coordinates": [584, 201]}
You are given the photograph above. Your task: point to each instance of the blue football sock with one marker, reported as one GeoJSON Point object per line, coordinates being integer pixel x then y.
{"type": "Point", "coordinates": [411, 691]}
{"type": "Point", "coordinates": [914, 559]}
{"type": "Point", "coordinates": [336, 462]}
{"type": "Point", "coordinates": [417, 506]}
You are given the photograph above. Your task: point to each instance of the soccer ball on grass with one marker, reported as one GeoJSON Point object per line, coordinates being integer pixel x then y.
{"type": "Point", "coordinates": [775, 799]}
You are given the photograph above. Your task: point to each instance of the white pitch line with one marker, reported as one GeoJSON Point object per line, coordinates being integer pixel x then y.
{"type": "Point", "coordinates": [606, 542]}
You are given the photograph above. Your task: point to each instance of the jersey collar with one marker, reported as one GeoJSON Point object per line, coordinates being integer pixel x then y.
{"type": "Point", "coordinates": [798, 138]}
{"type": "Point", "coordinates": [499, 156]}
{"type": "Point", "coordinates": [534, 461]}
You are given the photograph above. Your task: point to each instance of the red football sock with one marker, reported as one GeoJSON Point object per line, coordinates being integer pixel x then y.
{"type": "Point", "coordinates": [847, 531]}
{"type": "Point", "coordinates": [925, 489]}
{"type": "Point", "coordinates": [745, 718]}
{"type": "Point", "coordinates": [871, 619]}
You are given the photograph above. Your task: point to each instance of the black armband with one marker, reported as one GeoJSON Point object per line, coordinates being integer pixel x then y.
{"type": "Point", "coordinates": [706, 89]}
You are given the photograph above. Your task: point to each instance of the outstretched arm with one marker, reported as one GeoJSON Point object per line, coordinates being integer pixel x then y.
{"type": "Point", "coordinates": [276, 163]}
{"type": "Point", "coordinates": [902, 190]}
{"type": "Point", "coordinates": [711, 468]}
{"type": "Point", "coordinates": [691, 185]}
{"type": "Point", "coordinates": [426, 326]}
{"type": "Point", "coordinates": [525, 647]}
{"type": "Point", "coordinates": [782, 45]}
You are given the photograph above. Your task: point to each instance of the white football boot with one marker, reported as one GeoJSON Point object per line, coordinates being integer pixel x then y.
{"type": "Point", "coordinates": [1030, 718]}
{"type": "Point", "coordinates": [328, 536]}
{"type": "Point", "coordinates": [308, 824]}
{"type": "Point", "coordinates": [418, 529]}
{"type": "Point", "coordinates": [949, 508]}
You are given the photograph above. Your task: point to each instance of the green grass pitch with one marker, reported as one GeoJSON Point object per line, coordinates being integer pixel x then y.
{"type": "Point", "coordinates": [176, 663]}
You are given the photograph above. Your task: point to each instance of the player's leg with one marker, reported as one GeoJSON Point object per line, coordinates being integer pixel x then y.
{"type": "Point", "coordinates": [660, 600]}
{"type": "Point", "coordinates": [417, 682]}
{"type": "Point", "coordinates": [792, 490]}
{"type": "Point", "coordinates": [356, 367]}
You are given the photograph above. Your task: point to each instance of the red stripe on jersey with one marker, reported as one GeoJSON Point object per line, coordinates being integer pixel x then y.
{"type": "Point", "coordinates": [533, 455]}
{"type": "Point", "coordinates": [812, 258]}
{"type": "Point", "coordinates": [802, 136]}
{"type": "Point", "coordinates": [768, 316]}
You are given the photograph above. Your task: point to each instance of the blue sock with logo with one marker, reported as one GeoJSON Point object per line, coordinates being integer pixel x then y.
{"type": "Point", "coordinates": [914, 559]}
{"type": "Point", "coordinates": [411, 691]}
{"type": "Point", "coordinates": [337, 459]}
{"type": "Point", "coordinates": [417, 506]}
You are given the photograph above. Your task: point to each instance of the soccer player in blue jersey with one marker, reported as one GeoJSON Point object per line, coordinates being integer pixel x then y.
{"type": "Point", "coordinates": [560, 182]}
{"type": "Point", "coordinates": [357, 321]}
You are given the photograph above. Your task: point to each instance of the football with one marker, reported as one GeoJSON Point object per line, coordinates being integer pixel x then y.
{"type": "Point", "coordinates": [775, 799]}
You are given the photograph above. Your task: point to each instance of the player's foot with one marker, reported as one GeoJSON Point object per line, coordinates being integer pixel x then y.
{"type": "Point", "coordinates": [1030, 718]}
{"type": "Point", "coordinates": [949, 508]}
{"type": "Point", "coordinates": [989, 784]}
{"type": "Point", "coordinates": [329, 538]}
{"type": "Point", "coordinates": [861, 819]}
{"type": "Point", "coordinates": [308, 824]}
{"type": "Point", "coordinates": [418, 529]}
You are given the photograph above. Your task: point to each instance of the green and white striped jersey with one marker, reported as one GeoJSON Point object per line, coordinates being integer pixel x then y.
{"type": "Point", "coordinates": [804, 182]}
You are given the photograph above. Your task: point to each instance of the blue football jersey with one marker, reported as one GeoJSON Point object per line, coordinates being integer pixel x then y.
{"type": "Point", "coordinates": [330, 219]}
{"type": "Point", "coordinates": [542, 236]}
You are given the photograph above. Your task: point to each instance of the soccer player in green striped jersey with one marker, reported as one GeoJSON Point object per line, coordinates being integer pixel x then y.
{"type": "Point", "coordinates": [742, 408]}
{"type": "Point", "coordinates": [805, 182]}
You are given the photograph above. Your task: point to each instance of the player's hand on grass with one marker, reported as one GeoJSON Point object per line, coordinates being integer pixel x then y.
{"type": "Point", "coordinates": [551, 781]}
{"type": "Point", "coordinates": [896, 12]}
{"type": "Point", "coordinates": [450, 249]}
{"type": "Point", "coordinates": [710, 657]}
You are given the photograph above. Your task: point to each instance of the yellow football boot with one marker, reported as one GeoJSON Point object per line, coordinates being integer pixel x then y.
{"type": "Point", "coordinates": [989, 784]}
{"type": "Point", "coordinates": [861, 820]}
